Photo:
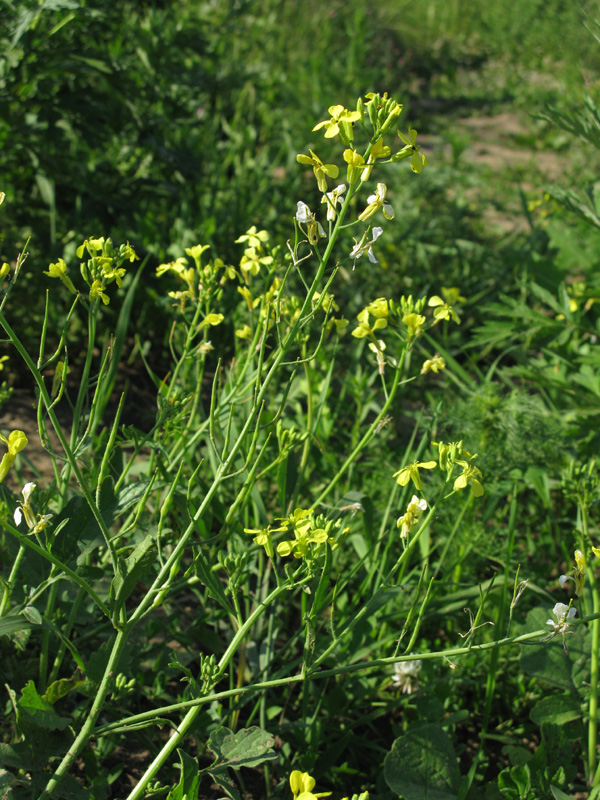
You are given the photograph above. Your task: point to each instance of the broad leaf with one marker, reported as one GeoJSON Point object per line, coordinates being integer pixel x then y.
{"type": "Point", "coordinates": [422, 765]}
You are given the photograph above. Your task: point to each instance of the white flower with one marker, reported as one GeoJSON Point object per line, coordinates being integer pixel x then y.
{"type": "Point", "coordinates": [563, 614]}
{"type": "Point", "coordinates": [314, 229]}
{"type": "Point", "coordinates": [366, 247]}
{"type": "Point", "coordinates": [406, 675]}
{"type": "Point", "coordinates": [35, 524]}
{"type": "Point", "coordinates": [304, 214]}
{"type": "Point", "coordinates": [332, 199]}
{"type": "Point", "coordinates": [27, 490]}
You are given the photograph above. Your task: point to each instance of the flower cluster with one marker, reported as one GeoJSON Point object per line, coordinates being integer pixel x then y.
{"type": "Point", "coordinates": [103, 267]}
{"type": "Point", "coordinates": [453, 454]}
{"type": "Point", "coordinates": [380, 112]}
{"type": "Point", "coordinates": [202, 283]}
{"type": "Point", "coordinates": [255, 255]}
{"type": "Point", "coordinates": [310, 532]}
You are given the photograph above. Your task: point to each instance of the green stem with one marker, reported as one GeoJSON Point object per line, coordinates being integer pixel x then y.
{"type": "Point", "coordinates": [157, 713]}
{"type": "Point", "coordinates": [8, 587]}
{"type": "Point", "coordinates": [87, 728]}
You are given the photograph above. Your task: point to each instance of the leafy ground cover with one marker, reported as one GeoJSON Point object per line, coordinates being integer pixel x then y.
{"type": "Point", "coordinates": [299, 478]}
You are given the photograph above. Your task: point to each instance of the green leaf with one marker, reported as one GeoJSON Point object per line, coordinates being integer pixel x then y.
{"type": "Point", "coordinates": [246, 748]}
{"type": "Point", "coordinates": [189, 781]}
{"type": "Point", "coordinates": [559, 794]}
{"type": "Point", "coordinates": [34, 710]}
{"type": "Point", "coordinates": [62, 687]}
{"type": "Point", "coordinates": [515, 783]}
{"type": "Point", "coordinates": [13, 623]}
{"type": "Point", "coordinates": [558, 709]}
{"type": "Point", "coordinates": [135, 567]}
{"type": "Point", "coordinates": [422, 765]}
{"type": "Point", "coordinates": [15, 756]}
{"type": "Point", "coordinates": [32, 615]}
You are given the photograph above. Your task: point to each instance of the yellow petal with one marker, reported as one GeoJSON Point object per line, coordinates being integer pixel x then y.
{"type": "Point", "coordinates": [16, 442]}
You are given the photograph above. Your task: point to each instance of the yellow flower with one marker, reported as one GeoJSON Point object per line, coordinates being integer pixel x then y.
{"type": "Point", "coordinates": [253, 259]}
{"type": "Point", "coordinates": [442, 310]}
{"type": "Point", "coordinates": [93, 246]}
{"type": "Point", "coordinates": [305, 533]}
{"type": "Point", "coordinates": [379, 150]}
{"type": "Point", "coordinates": [320, 169]}
{"type": "Point", "coordinates": [377, 201]}
{"type": "Point", "coordinates": [4, 270]}
{"type": "Point", "coordinates": [97, 290]}
{"type": "Point", "coordinates": [263, 538]}
{"type": "Point", "coordinates": [178, 267]}
{"type": "Point", "coordinates": [196, 252]}
{"type": "Point", "coordinates": [2, 360]}
{"type": "Point", "coordinates": [245, 292]}
{"type": "Point", "coordinates": [355, 162]}
{"type": "Point", "coordinates": [413, 511]}
{"type": "Point", "coordinates": [253, 237]}
{"type": "Point", "coordinates": [245, 332]}
{"type": "Point", "coordinates": [434, 364]}
{"type": "Point", "coordinates": [16, 442]}
{"type": "Point", "coordinates": [452, 295]}
{"type": "Point", "coordinates": [111, 273]}
{"type": "Point", "coordinates": [302, 784]}
{"type": "Point", "coordinates": [414, 323]}
{"type": "Point", "coordinates": [340, 325]}
{"type": "Point", "coordinates": [340, 122]}
{"type": "Point", "coordinates": [411, 472]}
{"type": "Point", "coordinates": [59, 270]}
{"type": "Point", "coordinates": [365, 329]}
{"type": "Point", "coordinates": [470, 475]}
{"type": "Point", "coordinates": [211, 319]}
{"type": "Point", "coordinates": [379, 308]}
